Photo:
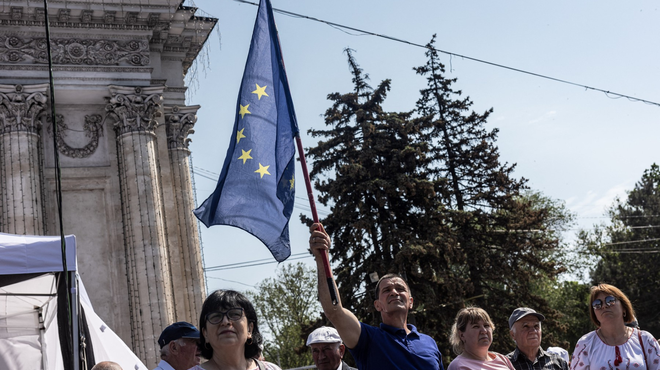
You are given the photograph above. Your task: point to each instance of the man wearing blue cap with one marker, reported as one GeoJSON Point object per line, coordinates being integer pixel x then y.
{"type": "Point", "coordinates": [178, 347]}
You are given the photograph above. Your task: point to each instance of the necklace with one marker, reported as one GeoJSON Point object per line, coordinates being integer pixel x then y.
{"type": "Point", "coordinates": [617, 352]}
{"type": "Point", "coordinates": [615, 340]}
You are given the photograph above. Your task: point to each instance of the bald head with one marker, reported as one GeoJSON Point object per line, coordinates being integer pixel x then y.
{"type": "Point", "coordinates": [107, 365]}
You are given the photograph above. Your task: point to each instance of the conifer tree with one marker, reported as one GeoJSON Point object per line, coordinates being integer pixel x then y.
{"type": "Point", "coordinates": [629, 248]}
{"type": "Point", "coordinates": [423, 194]}
{"type": "Point", "coordinates": [508, 238]}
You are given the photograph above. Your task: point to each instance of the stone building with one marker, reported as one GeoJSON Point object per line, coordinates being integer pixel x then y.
{"type": "Point", "coordinates": [122, 138]}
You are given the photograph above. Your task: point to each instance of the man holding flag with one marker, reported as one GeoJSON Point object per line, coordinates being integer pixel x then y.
{"type": "Point", "coordinates": [255, 191]}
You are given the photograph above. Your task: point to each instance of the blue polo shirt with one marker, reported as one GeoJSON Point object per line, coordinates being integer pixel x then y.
{"type": "Point", "coordinates": [387, 347]}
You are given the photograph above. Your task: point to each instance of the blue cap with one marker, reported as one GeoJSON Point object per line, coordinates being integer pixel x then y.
{"type": "Point", "coordinates": [176, 331]}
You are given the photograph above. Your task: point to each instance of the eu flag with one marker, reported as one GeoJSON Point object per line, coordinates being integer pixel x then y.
{"type": "Point", "coordinates": [255, 191]}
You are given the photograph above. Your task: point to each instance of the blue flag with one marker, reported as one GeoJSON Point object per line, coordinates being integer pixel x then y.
{"type": "Point", "coordinates": [255, 191]}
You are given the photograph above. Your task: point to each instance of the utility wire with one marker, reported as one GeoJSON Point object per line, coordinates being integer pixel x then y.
{"type": "Point", "coordinates": [337, 25]}
{"type": "Point", "coordinates": [248, 264]}
{"type": "Point", "coordinates": [241, 263]}
{"type": "Point", "coordinates": [232, 281]}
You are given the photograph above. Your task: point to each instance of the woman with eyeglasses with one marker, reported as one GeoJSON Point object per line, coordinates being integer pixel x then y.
{"type": "Point", "coordinates": [614, 345]}
{"type": "Point", "coordinates": [230, 337]}
{"type": "Point", "coordinates": [471, 337]}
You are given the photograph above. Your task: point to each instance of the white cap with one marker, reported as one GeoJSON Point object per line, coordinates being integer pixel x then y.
{"type": "Point", "coordinates": [324, 334]}
{"type": "Point", "coordinates": [559, 351]}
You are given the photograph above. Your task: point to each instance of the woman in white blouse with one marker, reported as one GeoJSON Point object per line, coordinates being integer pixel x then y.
{"type": "Point", "coordinates": [614, 345]}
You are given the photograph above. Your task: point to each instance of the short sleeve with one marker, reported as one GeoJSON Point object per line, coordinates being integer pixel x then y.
{"type": "Point", "coordinates": [580, 359]}
{"type": "Point", "coordinates": [652, 350]}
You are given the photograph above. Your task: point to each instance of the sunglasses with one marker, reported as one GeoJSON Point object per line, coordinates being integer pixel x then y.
{"type": "Point", "coordinates": [233, 314]}
{"type": "Point", "coordinates": [598, 304]}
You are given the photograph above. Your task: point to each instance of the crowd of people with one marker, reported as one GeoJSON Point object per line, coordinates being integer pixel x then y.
{"type": "Point", "coordinates": [229, 337]}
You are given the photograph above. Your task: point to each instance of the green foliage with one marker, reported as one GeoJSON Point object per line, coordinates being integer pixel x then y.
{"type": "Point", "coordinates": [629, 250]}
{"type": "Point", "coordinates": [285, 305]}
{"type": "Point", "coordinates": [423, 194]}
{"type": "Point", "coordinates": [571, 300]}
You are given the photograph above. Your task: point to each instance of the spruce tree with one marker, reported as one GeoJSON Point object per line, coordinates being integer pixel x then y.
{"type": "Point", "coordinates": [423, 194]}
{"type": "Point", "coordinates": [507, 238]}
{"type": "Point", "coordinates": [629, 248]}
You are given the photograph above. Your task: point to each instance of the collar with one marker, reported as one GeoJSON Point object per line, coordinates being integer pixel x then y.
{"type": "Point", "coordinates": [395, 331]}
{"type": "Point", "coordinates": [164, 365]}
{"type": "Point", "coordinates": [518, 352]}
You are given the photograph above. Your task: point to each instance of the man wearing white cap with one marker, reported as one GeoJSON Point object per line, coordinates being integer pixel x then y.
{"type": "Point", "coordinates": [525, 329]}
{"type": "Point", "coordinates": [327, 349]}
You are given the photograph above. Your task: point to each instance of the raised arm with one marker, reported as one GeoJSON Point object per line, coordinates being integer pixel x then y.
{"type": "Point", "coordinates": [343, 320]}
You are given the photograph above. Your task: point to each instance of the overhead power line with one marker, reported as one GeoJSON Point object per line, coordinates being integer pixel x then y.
{"type": "Point", "coordinates": [634, 241]}
{"type": "Point", "coordinates": [607, 93]}
{"type": "Point", "coordinates": [264, 261]}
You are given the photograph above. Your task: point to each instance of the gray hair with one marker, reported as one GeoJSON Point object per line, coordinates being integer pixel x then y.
{"type": "Point", "coordinates": [107, 365]}
{"type": "Point", "coordinates": [165, 351]}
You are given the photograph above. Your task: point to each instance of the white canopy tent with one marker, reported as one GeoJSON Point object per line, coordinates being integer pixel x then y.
{"type": "Point", "coordinates": [30, 337]}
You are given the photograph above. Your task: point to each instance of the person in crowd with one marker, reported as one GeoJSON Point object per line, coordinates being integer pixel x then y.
{"type": "Point", "coordinates": [395, 344]}
{"type": "Point", "coordinates": [560, 352]}
{"type": "Point", "coordinates": [327, 349]}
{"type": "Point", "coordinates": [525, 329]}
{"type": "Point", "coordinates": [471, 336]}
{"type": "Point", "coordinates": [178, 347]}
{"type": "Point", "coordinates": [107, 365]}
{"type": "Point", "coordinates": [230, 338]}
{"type": "Point", "coordinates": [614, 345]}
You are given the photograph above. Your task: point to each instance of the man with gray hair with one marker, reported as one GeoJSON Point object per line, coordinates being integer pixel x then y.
{"type": "Point", "coordinates": [525, 329]}
{"type": "Point", "coordinates": [178, 347]}
{"type": "Point", "coordinates": [107, 365]}
{"type": "Point", "coordinates": [327, 349]}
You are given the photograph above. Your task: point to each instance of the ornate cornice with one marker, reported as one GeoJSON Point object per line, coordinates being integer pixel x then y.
{"type": "Point", "coordinates": [179, 124]}
{"type": "Point", "coordinates": [19, 107]}
{"type": "Point", "coordinates": [72, 24]}
{"type": "Point", "coordinates": [134, 108]}
{"type": "Point", "coordinates": [32, 67]}
{"type": "Point", "coordinates": [93, 128]}
{"type": "Point", "coordinates": [69, 35]}
{"type": "Point", "coordinates": [15, 49]}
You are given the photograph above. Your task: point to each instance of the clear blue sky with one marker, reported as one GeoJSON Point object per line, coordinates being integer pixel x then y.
{"type": "Point", "coordinates": [578, 146]}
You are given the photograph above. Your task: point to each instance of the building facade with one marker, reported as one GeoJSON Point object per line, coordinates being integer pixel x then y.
{"type": "Point", "coordinates": [123, 128]}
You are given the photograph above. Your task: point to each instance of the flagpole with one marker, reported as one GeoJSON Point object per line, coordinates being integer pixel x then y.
{"type": "Point", "coordinates": [315, 217]}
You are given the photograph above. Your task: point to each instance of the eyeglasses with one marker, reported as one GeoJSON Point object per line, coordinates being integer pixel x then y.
{"type": "Point", "coordinates": [233, 314]}
{"type": "Point", "coordinates": [598, 304]}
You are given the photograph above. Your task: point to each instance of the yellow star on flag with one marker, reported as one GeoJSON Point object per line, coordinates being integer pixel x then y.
{"type": "Point", "coordinates": [239, 135]}
{"type": "Point", "coordinates": [263, 170]}
{"type": "Point", "coordinates": [292, 181]}
{"type": "Point", "coordinates": [245, 156]}
{"type": "Point", "coordinates": [260, 91]}
{"type": "Point", "coordinates": [244, 110]}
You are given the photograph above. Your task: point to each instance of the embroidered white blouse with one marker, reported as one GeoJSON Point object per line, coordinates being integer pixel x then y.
{"type": "Point", "coordinates": [591, 353]}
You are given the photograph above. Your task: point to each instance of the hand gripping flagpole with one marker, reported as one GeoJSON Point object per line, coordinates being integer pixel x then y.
{"type": "Point", "coordinates": [315, 217]}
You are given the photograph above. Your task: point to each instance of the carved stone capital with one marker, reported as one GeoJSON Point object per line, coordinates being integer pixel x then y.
{"type": "Point", "coordinates": [135, 108]}
{"type": "Point", "coordinates": [20, 105]}
{"type": "Point", "coordinates": [180, 122]}
{"type": "Point", "coordinates": [93, 128]}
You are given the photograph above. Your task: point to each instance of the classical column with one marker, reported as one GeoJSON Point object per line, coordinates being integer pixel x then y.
{"type": "Point", "coordinates": [186, 255]}
{"type": "Point", "coordinates": [149, 277]}
{"type": "Point", "coordinates": [21, 202]}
